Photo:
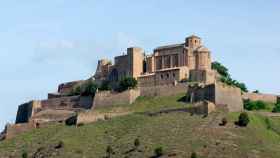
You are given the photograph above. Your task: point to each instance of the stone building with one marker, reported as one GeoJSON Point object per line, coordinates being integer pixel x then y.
{"type": "Point", "coordinates": [166, 65]}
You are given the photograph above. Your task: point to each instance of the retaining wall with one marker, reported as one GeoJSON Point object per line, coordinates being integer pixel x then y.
{"type": "Point", "coordinates": [108, 98]}
{"type": "Point", "coordinates": [163, 90]}
{"type": "Point", "coordinates": [270, 98]}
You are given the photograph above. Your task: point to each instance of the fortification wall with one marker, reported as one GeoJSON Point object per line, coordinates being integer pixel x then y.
{"type": "Point", "coordinates": [16, 129]}
{"type": "Point", "coordinates": [68, 102]}
{"type": "Point", "coordinates": [26, 110]}
{"type": "Point", "coordinates": [107, 98]}
{"type": "Point", "coordinates": [224, 96]}
{"type": "Point", "coordinates": [259, 96]}
{"type": "Point", "coordinates": [229, 96]}
{"type": "Point", "coordinates": [163, 90]}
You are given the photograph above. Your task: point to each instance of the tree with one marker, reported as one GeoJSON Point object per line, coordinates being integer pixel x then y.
{"type": "Point", "coordinates": [243, 119]}
{"type": "Point", "coordinates": [226, 78]}
{"type": "Point", "coordinates": [221, 69]}
{"type": "Point", "coordinates": [127, 83]}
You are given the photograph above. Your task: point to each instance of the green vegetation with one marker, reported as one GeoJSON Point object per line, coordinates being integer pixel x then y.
{"type": "Point", "coordinates": [276, 108]}
{"type": "Point", "coordinates": [254, 105]}
{"type": "Point", "coordinates": [105, 86]}
{"type": "Point", "coordinates": [193, 155]}
{"type": "Point", "coordinates": [127, 83]}
{"type": "Point", "coordinates": [243, 119]}
{"type": "Point", "coordinates": [158, 151]}
{"type": "Point", "coordinates": [24, 155]}
{"type": "Point", "coordinates": [88, 88]}
{"type": "Point", "coordinates": [178, 133]}
{"type": "Point", "coordinates": [226, 77]}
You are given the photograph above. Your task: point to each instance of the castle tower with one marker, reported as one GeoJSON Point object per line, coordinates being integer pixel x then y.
{"type": "Point", "coordinates": [202, 59]}
{"type": "Point", "coordinates": [193, 41]}
{"type": "Point", "coordinates": [136, 58]}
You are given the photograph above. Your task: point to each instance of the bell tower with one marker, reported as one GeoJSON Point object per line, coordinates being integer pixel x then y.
{"type": "Point", "coordinates": [193, 41]}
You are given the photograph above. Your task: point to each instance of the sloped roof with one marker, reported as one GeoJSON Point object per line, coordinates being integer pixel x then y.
{"type": "Point", "coordinates": [169, 46]}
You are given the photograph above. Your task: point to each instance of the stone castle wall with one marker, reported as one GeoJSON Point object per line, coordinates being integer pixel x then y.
{"type": "Point", "coordinates": [163, 90]}
{"type": "Point", "coordinates": [107, 98]}
{"type": "Point", "coordinates": [16, 129]}
{"type": "Point", "coordinates": [230, 96]}
{"type": "Point", "coordinates": [220, 94]}
{"type": "Point", "coordinates": [270, 98]}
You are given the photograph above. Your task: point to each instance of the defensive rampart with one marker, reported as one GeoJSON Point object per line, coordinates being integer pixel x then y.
{"type": "Point", "coordinates": [163, 90]}
{"type": "Point", "coordinates": [108, 98]}
{"type": "Point", "coordinates": [270, 98]}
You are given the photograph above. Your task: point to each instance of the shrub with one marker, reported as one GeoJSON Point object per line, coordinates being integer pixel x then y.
{"type": "Point", "coordinates": [127, 83]}
{"type": "Point", "coordinates": [89, 88]}
{"type": "Point", "coordinates": [136, 143]}
{"type": "Point", "coordinates": [224, 122]}
{"type": "Point", "coordinates": [59, 145]}
{"type": "Point", "coordinates": [105, 86]}
{"type": "Point", "coordinates": [193, 155]}
{"type": "Point", "coordinates": [243, 119]}
{"type": "Point", "coordinates": [226, 78]}
{"type": "Point", "coordinates": [109, 151]}
{"type": "Point", "coordinates": [254, 105]}
{"type": "Point", "coordinates": [276, 108]}
{"type": "Point", "coordinates": [158, 152]}
{"type": "Point", "coordinates": [71, 120]}
{"type": "Point", "coordinates": [24, 154]}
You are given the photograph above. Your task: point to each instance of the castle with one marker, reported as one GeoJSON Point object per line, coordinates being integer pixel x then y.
{"type": "Point", "coordinates": [169, 70]}
{"type": "Point", "coordinates": [189, 61]}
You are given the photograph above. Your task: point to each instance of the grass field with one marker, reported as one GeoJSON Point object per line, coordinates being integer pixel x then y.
{"type": "Point", "coordinates": [178, 133]}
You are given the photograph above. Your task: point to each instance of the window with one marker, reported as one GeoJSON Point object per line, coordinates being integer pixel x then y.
{"type": "Point", "coordinates": [173, 75]}
{"type": "Point", "coordinates": [161, 76]}
{"type": "Point", "coordinates": [167, 76]}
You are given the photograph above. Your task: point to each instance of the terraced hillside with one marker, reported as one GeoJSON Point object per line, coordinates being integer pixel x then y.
{"type": "Point", "coordinates": [177, 132]}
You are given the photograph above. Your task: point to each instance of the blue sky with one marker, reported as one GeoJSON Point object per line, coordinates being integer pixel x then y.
{"type": "Point", "coordinates": [44, 43]}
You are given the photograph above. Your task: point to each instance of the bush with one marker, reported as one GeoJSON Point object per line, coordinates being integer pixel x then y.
{"type": "Point", "coordinates": [193, 155]}
{"type": "Point", "coordinates": [59, 145]}
{"type": "Point", "coordinates": [254, 105]}
{"type": "Point", "coordinates": [276, 108]}
{"type": "Point", "coordinates": [224, 122]}
{"type": "Point", "coordinates": [127, 83]}
{"type": "Point", "coordinates": [158, 152]}
{"type": "Point", "coordinates": [226, 78]}
{"type": "Point", "coordinates": [71, 120]}
{"type": "Point", "coordinates": [24, 154]}
{"type": "Point", "coordinates": [136, 143]}
{"type": "Point", "coordinates": [89, 88]}
{"type": "Point", "coordinates": [105, 86]}
{"type": "Point", "coordinates": [109, 151]}
{"type": "Point", "coordinates": [243, 119]}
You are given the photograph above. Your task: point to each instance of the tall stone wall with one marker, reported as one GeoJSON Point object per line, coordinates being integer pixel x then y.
{"type": "Point", "coordinates": [107, 98]}
{"type": "Point", "coordinates": [230, 96]}
{"type": "Point", "coordinates": [16, 129]}
{"type": "Point", "coordinates": [68, 102]}
{"type": "Point", "coordinates": [26, 111]}
{"type": "Point", "coordinates": [222, 95]}
{"type": "Point", "coordinates": [163, 90]}
{"type": "Point", "coordinates": [270, 98]}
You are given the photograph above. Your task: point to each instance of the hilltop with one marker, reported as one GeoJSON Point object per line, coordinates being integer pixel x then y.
{"type": "Point", "coordinates": [155, 122]}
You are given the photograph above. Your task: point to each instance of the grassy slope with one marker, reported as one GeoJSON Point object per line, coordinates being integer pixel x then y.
{"type": "Point", "coordinates": [177, 132]}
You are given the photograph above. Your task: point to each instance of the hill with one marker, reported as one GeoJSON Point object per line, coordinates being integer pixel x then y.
{"type": "Point", "coordinates": [155, 122]}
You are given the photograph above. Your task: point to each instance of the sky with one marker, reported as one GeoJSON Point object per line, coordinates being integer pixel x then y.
{"type": "Point", "coordinates": [47, 42]}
